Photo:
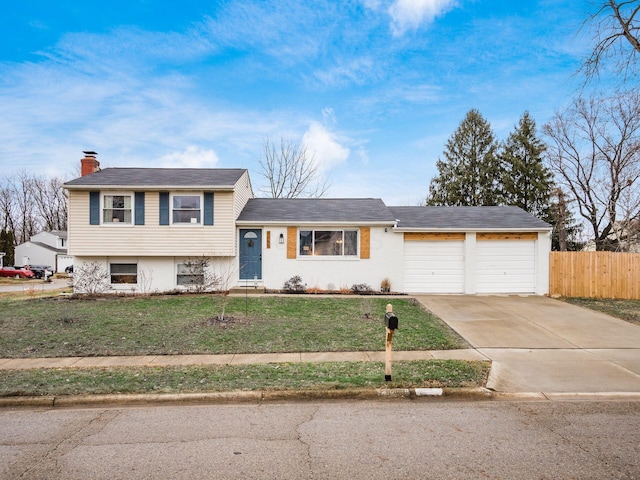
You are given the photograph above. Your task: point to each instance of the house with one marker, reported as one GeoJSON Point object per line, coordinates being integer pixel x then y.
{"type": "Point", "coordinates": [45, 248]}
{"type": "Point", "coordinates": [146, 226]}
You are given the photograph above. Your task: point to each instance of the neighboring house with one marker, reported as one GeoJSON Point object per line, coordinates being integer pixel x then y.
{"type": "Point", "coordinates": [624, 237]}
{"type": "Point", "coordinates": [45, 248]}
{"type": "Point", "coordinates": [145, 226]}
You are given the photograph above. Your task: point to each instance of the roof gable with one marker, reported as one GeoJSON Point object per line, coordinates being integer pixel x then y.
{"type": "Point", "coordinates": [160, 178]}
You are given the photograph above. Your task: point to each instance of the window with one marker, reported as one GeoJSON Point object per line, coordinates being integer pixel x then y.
{"type": "Point", "coordinates": [328, 243]}
{"type": "Point", "coordinates": [124, 272]}
{"type": "Point", "coordinates": [116, 209]}
{"type": "Point", "coordinates": [186, 209]}
{"type": "Point", "coordinates": [191, 273]}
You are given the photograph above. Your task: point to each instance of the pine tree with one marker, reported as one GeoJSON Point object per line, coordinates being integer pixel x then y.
{"type": "Point", "coordinates": [526, 182]}
{"type": "Point", "coordinates": [566, 231]}
{"type": "Point", "coordinates": [469, 173]}
{"type": "Point", "coordinates": [7, 245]}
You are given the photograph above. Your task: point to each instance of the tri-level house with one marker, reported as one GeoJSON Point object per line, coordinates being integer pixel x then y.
{"type": "Point", "coordinates": [148, 227]}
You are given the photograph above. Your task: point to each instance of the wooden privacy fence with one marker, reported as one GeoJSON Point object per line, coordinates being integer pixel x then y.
{"type": "Point", "coordinates": [595, 274]}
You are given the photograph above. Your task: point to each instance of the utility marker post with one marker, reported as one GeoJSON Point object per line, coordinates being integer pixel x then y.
{"type": "Point", "coordinates": [391, 324]}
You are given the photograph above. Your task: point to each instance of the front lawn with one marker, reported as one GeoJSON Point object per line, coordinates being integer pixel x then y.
{"type": "Point", "coordinates": [193, 324]}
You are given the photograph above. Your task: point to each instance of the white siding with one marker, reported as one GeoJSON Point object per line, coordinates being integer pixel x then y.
{"type": "Point", "coordinates": [325, 272]}
{"type": "Point", "coordinates": [159, 274]}
{"type": "Point", "coordinates": [506, 266]}
{"type": "Point", "coordinates": [434, 266]}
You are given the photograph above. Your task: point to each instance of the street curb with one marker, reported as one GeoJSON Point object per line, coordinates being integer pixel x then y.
{"type": "Point", "coordinates": [265, 396]}
{"type": "Point", "coordinates": [66, 401]}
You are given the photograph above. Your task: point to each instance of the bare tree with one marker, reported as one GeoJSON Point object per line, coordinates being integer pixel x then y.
{"type": "Point", "coordinates": [594, 149]}
{"type": "Point", "coordinates": [615, 26]}
{"type": "Point", "coordinates": [30, 204]}
{"type": "Point", "coordinates": [291, 171]}
{"type": "Point", "coordinates": [50, 201]}
{"type": "Point", "coordinates": [27, 223]}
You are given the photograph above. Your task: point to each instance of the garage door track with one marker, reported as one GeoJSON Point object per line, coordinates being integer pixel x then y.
{"type": "Point", "coordinates": [538, 344]}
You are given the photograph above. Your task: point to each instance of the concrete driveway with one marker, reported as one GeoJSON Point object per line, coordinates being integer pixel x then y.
{"type": "Point", "coordinates": [35, 285]}
{"type": "Point", "coordinates": [538, 344]}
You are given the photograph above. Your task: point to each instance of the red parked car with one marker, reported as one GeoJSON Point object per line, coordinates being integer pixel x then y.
{"type": "Point", "coordinates": [16, 272]}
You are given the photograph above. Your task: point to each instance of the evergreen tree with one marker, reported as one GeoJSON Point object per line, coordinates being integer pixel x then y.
{"type": "Point", "coordinates": [468, 175]}
{"type": "Point", "coordinates": [566, 231]}
{"type": "Point", "coordinates": [526, 182]}
{"type": "Point", "coordinates": [7, 245]}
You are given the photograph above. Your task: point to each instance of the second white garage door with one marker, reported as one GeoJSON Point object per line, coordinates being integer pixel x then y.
{"type": "Point", "coordinates": [434, 266]}
{"type": "Point", "coordinates": [505, 266]}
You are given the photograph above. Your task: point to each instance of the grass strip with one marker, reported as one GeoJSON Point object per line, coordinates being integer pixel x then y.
{"type": "Point", "coordinates": [193, 324]}
{"type": "Point", "coordinates": [220, 378]}
{"type": "Point", "coordinates": [628, 310]}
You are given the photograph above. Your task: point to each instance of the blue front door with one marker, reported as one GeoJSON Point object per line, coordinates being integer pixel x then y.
{"type": "Point", "coordinates": [250, 254]}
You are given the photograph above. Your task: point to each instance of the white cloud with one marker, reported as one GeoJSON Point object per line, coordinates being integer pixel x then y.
{"type": "Point", "coordinates": [192, 157]}
{"type": "Point", "coordinates": [364, 155]}
{"type": "Point", "coordinates": [358, 71]}
{"type": "Point", "coordinates": [410, 14]}
{"type": "Point", "coordinates": [324, 146]}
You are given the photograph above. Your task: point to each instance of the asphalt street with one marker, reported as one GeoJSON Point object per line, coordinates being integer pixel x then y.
{"type": "Point", "coordinates": [317, 440]}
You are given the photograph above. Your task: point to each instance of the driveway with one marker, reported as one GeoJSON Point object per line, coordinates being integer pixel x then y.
{"type": "Point", "coordinates": [538, 344]}
{"type": "Point", "coordinates": [35, 285]}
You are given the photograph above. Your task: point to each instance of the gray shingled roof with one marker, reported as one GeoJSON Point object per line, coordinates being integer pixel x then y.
{"type": "Point", "coordinates": [49, 247]}
{"type": "Point", "coordinates": [159, 177]}
{"type": "Point", "coordinates": [304, 210]}
{"type": "Point", "coordinates": [490, 218]}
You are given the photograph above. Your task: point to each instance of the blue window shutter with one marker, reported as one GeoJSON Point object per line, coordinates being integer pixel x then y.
{"type": "Point", "coordinates": [164, 208]}
{"type": "Point", "coordinates": [208, 208]}
{"type": "Point", "coordinates": [139, 205]}
{"type": "Point", "coordinates": [94, 208]}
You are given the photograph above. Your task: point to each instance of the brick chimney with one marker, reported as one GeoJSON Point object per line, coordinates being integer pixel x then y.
{"type": "Point", "coordinates": [89, 163]}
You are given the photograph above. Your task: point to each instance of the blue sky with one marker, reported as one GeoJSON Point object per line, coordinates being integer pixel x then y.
{"type": "Point", "coordinates": [374, 88]}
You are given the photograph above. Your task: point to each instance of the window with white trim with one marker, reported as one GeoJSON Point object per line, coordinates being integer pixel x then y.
{"type": "Point", "coordinates": [189, 274]}
{"type": "Point", "coordinates": [334, 243]}
{"type": "Point", "coordinates": [116, 209]}
{"type": "Point", "coordinates": [126, 273]}
{"type": "Point", "coordinates": [186, 209]}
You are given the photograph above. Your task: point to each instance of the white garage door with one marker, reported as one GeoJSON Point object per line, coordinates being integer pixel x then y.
{"type": "Point", "coordinates": [506, 266]}
{"type": "Point", "coordinates": [434, 266]}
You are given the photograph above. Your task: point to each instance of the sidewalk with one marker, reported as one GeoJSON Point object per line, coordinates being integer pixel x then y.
{"type": "Point", "coordinates": [232, 359]}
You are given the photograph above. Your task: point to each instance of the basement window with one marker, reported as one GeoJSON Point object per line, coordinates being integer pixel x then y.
{"type": "Point", "coordinates": [126, 273]}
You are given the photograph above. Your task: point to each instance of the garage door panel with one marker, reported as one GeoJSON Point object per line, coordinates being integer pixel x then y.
{"type": "Point", "coordinates": [507, 266]}
{"type": "Point", "coordinates": [434, 266]}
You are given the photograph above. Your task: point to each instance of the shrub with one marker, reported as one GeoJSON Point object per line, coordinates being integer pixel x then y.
{"type": "Point", "coordinates": [294, 285]}
{"type": "Point", "coordinates": [91, 278]}
{"type": "Point", "coordinates": [361, 288]}
{"type": "Point", "coordinates": [385, 285]}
